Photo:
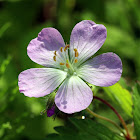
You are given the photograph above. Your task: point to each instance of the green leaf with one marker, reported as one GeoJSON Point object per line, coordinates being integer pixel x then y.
{"type": "Point", "coordinates": [121, 97]}
{"type": "Point", "coordinates": [4, 28]}
{"type": "Point", "coordinates": [4, 64]}
{"type": "Point", "coordinates": [136, 110]}
{"type": "Point", "coordinates": [3, 127]}
{"type": "Point", "coordinates": [78, 129]}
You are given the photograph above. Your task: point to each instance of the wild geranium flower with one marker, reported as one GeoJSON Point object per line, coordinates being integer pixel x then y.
{"type": "Point", "coordinates": [69, 66]}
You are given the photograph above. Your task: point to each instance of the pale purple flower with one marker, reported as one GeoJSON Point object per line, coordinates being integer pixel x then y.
{"type": "Point", "coordinates": [69, 66]}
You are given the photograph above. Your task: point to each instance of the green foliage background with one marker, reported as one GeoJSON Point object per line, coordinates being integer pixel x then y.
{"type": "Point", "coordinates": [22, 20]}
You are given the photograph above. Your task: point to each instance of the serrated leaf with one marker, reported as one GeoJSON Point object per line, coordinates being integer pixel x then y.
{"type": "Point", "coordinates": [77, 129]}
{"type": "Point", "coordinates": [120, 97]}
{"type": "Point", "coordinates": [136, 110]}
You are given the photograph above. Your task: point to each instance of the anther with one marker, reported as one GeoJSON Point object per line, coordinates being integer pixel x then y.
{"type": "Point", "coordinates": [66, 47]}
{"type": "Point", "coordinates": [67, 65]}
{"type": "Point", "coordinates": [55, 53]}
{"type": "Point", "coordinates": [75, 61]}
{"type": "Point", "coordinates": [76, 54]}
{"type": "Point", "coordinates": [61, 49]}
{"type": "Point", "coordinates": [54, 58]}
{"type": "Point", "coordinates": [62, 63]}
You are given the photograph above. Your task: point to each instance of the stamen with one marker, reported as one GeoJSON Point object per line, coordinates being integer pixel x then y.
{"type": "Point", "coordinates": [55, 53]}
{"type": "Point", "coordinates": [62, 63]}
{"type": "Point", "coordinates": [76, 52]}
{"type": "Point", "coordinates": [61, 49]}
{"type": "Point", "coordinates": [75, 61]}
{"type": "Point", "coordinates": [54, 58]}
{"type": "Point", "coordinates": [66, 47]}
{"type": "Point", "coordinates": [67, 65]}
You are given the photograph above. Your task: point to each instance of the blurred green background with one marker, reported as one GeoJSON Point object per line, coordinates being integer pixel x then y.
{"type": "Point", "coordinates": [22, 20]}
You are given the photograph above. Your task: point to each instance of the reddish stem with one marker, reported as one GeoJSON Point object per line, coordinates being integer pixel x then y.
{"type": "Point", "coordinates": [119, 116]}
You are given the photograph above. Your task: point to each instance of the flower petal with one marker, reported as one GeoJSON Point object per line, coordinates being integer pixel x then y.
{"type": "Point", "coordinates": [103, 70]}
{"type": "Point", "coordinates": [73, 95]}
{"type": "Point", "coordinates": [38, 82]}
{"type": "Point", "coordinates": [87, 37]}
{"type": "Point", "coordinates": [41, 49]}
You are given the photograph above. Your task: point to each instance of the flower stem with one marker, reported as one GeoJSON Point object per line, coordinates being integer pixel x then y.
{"type": "Point", "coordinates": [118, 115]}
{"type": "Point", "coordinates": [103, 118]}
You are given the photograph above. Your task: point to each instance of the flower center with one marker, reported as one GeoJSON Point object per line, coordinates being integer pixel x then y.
{"type": "Point", "coordinates": [62, 58]}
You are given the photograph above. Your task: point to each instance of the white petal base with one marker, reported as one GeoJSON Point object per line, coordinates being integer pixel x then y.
{"type": "Point", "coordinates": [73, 95]}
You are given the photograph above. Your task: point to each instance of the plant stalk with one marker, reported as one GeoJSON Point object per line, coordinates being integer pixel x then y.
{"type": "Point", "coordinates": [103, 118]}
{"type": "Point", "coordinates": [118, 115]}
